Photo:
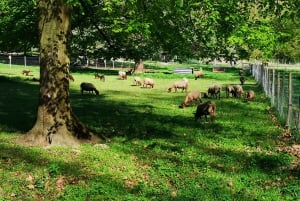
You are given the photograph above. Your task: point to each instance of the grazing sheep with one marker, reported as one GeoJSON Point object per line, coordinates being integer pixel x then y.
{"type": "Point", "coordinates": [238, 91]}
{"type": "Point", "coordinates": [183, 84]}
{"type": "Point", "coordinates": [198, 74]}
{"type": "Point", "coordinates": [214, 91]}
{"type": "Point", "coordinates": [26, 72]}
{"type": "Point", "coordinates": [241, 72]}
{"type": "Point", "coordinates": [101, 77]}
{"type": "Point", "coordinates": [130, 71]}
{"type": "Point", "coordinates": [205, 94]}
{"type": "Point", "coordinates": [138, 81]}
{"type": "Point", "coordinates": [148, 82]}
{"type": "Point", "coordinates": [229, 90]}
{"type": "Point", "coordinates": [85, 86]}
{"type": "Point", "coordinates": [191, 97]}
{"type": "Point", "coordinates": [70, 77]}
{"type": "Point", "coordinates": [122, 75]}
{"type": "Point", "coordinates": [35, 79]}
{"type": "Point", "coordinates": [242, 80]}
{"type": "Point", "coordinates": [204, 109]}
{"type": "Point", "coordinates": [185, 79]}
{"type": "Point", "coordinates": [250, 95]}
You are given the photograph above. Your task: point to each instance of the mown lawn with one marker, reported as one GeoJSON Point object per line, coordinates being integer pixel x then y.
{"type": "Point", "coordinates": [156, 150]}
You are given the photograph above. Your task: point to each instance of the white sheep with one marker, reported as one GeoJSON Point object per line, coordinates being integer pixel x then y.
{"type": "Point", "coordinates": [122, 75]}
{"type": "Point", "coordinates": [138, 81]}
{"type": "Point", "coordinates": [148, 82]}
{"type": "Point", "coordinates": [183, 84]}
{"type": "Point", "coordinates": [198, 74]}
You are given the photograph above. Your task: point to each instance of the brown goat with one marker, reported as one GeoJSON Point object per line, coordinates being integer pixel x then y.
{"type": "Point", "coordinates": [198, 74]}
{"type": "Point", "coordinates": [179, 85]}
{"type": "Point", "coordinates": [26, 72]}
{"type": "Point", "coordinates": [101, 77]}
{"type": "Point", "coordinates": [214, 91]}
{"type": "Point", "coordinates": [148, 82]}
{"type": "Point", "coordinates": [191, 97]}
{"type": "Point", "coordinates": [204, 109]}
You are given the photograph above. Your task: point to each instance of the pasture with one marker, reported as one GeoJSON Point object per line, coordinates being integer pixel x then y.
{"type": "Point", "coordinates": [156, 150]}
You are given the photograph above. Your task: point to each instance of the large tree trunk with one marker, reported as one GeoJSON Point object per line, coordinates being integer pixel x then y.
{"type": "Point", "coordinates": [139, 66]}
{"type": "Point", "coordinates": [55, 124]}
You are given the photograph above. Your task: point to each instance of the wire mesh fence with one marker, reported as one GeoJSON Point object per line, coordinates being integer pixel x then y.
{"type": "Point", "coordinates": [282, 86]}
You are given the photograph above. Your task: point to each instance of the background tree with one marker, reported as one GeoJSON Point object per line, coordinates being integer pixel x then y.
{"type": "Point", "coordinates": [112, 29]}
{"type": "Point", "coordinates": [270, 32]}
{"type": "Point", "coordinates": [18, 26]}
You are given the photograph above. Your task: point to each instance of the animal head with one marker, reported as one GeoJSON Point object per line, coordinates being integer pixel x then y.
{"type": "Point", "coordinates": [205, 95]}
{"type": "Point", "coordinates": [182, 105]}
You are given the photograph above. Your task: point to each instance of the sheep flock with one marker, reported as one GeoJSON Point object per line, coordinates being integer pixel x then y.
{"type": "Point", "coordinates": [189, 98]}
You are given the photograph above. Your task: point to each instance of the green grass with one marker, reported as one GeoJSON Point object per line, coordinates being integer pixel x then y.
{"type": "Point", "coordinates": [156, 152]}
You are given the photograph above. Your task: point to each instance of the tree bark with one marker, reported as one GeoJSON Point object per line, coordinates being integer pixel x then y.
{"type": "Point", "coordinates": [139, 66]}
{"type": "Point", "coordinates": [55, 124]}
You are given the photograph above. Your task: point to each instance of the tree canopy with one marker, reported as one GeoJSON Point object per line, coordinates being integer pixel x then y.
{"type": "Point", "coordinates": [18, 26]}
{"type": "Point", "coordinates": [138, 29]}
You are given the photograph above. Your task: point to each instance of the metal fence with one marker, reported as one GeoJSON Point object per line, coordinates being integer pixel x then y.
{"type": "Point", "coordinates": [20, 60]}
{"type": "Point", "coordinates": [35, 61]}
{"type": "Point", "coordinates": [282, 86]}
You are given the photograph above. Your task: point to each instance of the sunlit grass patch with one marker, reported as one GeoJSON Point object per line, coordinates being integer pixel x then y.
{"type": "Point", "coordinates": [157, 151]}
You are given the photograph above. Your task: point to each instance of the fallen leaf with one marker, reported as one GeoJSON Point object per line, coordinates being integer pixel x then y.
{"type": "Point", "coordinates": [29, 178]}
{"type": "Point", "coordinates": [60, 183]}
{"type": "Point", "coordinates": [30, 186]}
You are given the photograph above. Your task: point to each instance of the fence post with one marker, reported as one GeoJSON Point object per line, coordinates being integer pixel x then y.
{"type": "Point", "coordinates": [9, 57]}
{"type": "Point", "coordinates": [273, 87]}
{"type": "Point", "coordinates": [282, 96]}
{"type": "Point", "coordinates": [25, 64]}
{"type": "Point", "coordinates": [290, 101]}
{"type": "Point", "coordinates": [278, 91]}
{"type": "Point", "coordinates": [266, 80]}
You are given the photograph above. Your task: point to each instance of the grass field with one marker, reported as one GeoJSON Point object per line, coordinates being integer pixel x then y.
{"type": "Point", "coordinates": [156, 150]}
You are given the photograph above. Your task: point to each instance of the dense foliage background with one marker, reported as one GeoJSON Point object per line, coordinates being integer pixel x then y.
{"type": "Point", "coordinates": [182, 29]}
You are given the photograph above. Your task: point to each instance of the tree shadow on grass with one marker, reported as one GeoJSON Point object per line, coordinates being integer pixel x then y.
{"type": "Point", "coordinates": [18, 104]}
{"type": "Point", "coordinates": [45, 172]}
{"type": "Point", "coordinates": [115, 118]}
{"type": "Point", "coordinates": [121, 118]}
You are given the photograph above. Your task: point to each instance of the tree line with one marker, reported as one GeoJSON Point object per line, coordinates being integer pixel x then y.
{"type": "Point", "coordinates": [136, 29]}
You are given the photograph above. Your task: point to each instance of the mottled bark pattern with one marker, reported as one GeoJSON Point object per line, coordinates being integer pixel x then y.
{"type": "Point", "coordinates": [139, 66]}
{"type": "Point", "coordinates": [56, 124]}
